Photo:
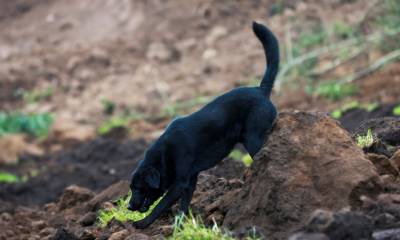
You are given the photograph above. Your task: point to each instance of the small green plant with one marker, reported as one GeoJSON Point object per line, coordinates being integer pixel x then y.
{"type": "Point", "coordinates": [237, 155]}
{"type": "Point", "coordinates": [308, 40]}
{"type": "Point", "coordinates": [108, 106]}
{"type": "Point", "coordinates": [277, 8]}
{"type": "Point", "coordinates": [8, 178]}
{"type": "Point", "coordinates": [193, 228]}
{"type": "Point", "coordinates": [396, 110]}
{"type": "Point", "coordinates": [37, 95]}
{"type": "Point", "coordinates": [33, 124]}
{"type": "Point", "coordinates": [121, 213]}
{"type": "Point", "coordinates": [343, 30]}
{"type": "Point", "coordinates": [367, 140]}
{"type": "Point", "coordinates": [391, 17]}
{"type": "Point", "coordinates": [113, 123]}
{"type": "Point", "coordinates": [336, 91]}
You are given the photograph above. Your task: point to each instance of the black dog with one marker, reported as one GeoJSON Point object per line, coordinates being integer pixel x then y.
{"type": "Point", "coordinates": [199, 141]}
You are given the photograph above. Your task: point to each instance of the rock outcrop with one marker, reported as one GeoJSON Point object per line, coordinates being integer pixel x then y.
{"type": "Point", "coordinates": [307, 162]}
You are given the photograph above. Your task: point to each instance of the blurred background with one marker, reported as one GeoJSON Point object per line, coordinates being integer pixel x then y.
{"type": "Point", "coordinates": [78, 78]}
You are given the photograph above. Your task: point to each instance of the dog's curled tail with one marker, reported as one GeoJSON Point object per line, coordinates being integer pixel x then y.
{"type": "Point", "coordinates": [271, 49]}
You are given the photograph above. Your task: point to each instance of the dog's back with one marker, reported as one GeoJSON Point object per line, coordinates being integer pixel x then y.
{"type": "Point", "coordinates": [241, 115]}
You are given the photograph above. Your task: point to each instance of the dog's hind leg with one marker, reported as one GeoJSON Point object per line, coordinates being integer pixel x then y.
{"type": "Point", "coordinates": [188, 194]}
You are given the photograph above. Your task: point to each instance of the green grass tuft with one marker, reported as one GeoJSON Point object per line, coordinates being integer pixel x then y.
{"type": "Point", "coordinates": [396, 111]}
{"type": "Point", "coordinates": [367, 140]}
{"type": "Point", "coordinates": [112, 123]}
{"type": "Point", "coordinates": [108, 106]}
{"type": "Point", "coordinates": [193, 228]}
{"type": "Point", "coordinates": [237, 155]}
{"type": "Point", "coordinates": [33, 124]}
{"type": "Point", "coordinates": [8, 178]}
{"type": "Point", "coordinates": [336, 91]}
{"type": "Point", "coordinates": [121, 213]}
{"type": "Point", "coordinates": [343, 30]}
{"type": "Point", "coordinates": [37, 95]}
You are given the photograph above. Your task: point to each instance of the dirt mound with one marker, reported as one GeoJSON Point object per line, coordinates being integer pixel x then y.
{"type": "Point", "coordinates": [95, 165]}
{"type": "Point", "coordinates": [308, 162]}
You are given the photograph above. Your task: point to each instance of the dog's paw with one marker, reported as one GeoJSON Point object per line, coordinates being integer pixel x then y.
{"type": "Point", "coordinates": [142, 224]}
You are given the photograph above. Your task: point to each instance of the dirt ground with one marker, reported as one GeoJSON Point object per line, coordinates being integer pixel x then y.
{"type": "Point", "coordinates": [145, 57]}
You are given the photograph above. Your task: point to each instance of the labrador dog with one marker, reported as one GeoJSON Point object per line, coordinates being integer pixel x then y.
{"type": "Point", "coordinates": [200, 140]}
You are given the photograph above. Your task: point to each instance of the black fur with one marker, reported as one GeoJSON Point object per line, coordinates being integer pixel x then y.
{"type": "Point", "coordinates": [199, 141]}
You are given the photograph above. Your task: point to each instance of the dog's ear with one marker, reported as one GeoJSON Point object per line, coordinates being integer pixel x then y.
{"type": "Point", "coordinates": [152, 178]}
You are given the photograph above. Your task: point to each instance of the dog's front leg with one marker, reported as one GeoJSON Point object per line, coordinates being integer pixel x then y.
{"type": "Point", "coordinates": [170, 198]}
{"type": "Point", "coordinates": [188, 194]}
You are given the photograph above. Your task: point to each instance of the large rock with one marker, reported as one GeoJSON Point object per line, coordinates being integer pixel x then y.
{"type": "Point", "coordinates": [308, 162]}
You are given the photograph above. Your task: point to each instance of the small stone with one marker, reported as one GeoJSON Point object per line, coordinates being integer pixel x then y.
{"type": "Point", "coordinates": [387, 179]}
{"type": "Point", "coordinates": [100, 56]}
{"type": "Point", "coordinates": [159, 51]}
{"type": "Point", "coordinates": [138, 236]}
{"type": "Point", "coordinates": [5, 217]}
{"type": "Point", "coordinates": [119, 235]}
{"type": "Point", "coordinates": [216, 33]}
{"type": "Point", "coordinates": [384, 220]}
{"type": "Point", "coordinates": [209, 54]}
{"type": "Point", "coordinates": [87, 235]}
{"type": "Point", "coordinates": [215, 217]}
{"type": "Point", "coordinates": [38, 225]}
{"type": "Point", "coordinates": [50, 207]}
{"type": "Point", "coordinates": [73, 63]}
{"type": "Point", "coordinates": [64, 234]}
{"type": "Point", "coordinates": [395, 159]}
{"type": "Point", "coordinates": [308, 236]}
{"type": "Point", "coordinates": [47, 232]}
{"type": "Point", "coordinates": [34, 237]}
{"type": "Point", "coordinates": [166, 230]}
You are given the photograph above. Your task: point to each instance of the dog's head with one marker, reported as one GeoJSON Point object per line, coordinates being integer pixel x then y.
{"type": "Point", "coordinates": [145, 187]}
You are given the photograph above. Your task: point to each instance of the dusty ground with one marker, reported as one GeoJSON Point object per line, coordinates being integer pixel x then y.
{"type": "Point", "coordinates": [144, 56]}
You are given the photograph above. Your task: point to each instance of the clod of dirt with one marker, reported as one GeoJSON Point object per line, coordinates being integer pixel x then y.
{"type": "Point", "coordinates": [15, 145]}
{"type": "Point", "coordinates": [63, 234]}
{"type": "Point", "coordinates": [159, 51]}
{"type": "Point", "coordinates": [67, 133]}
{"type": "Point", "coordinates": [113, 192]}
{"type": "Point", "coordinates": [383, 164]}
{"type": "Point", "coordinates": [308, 162]}
{"type": "Point", "coordinates": [73, 195]}
{"type": "Point", "coordinates": [341, 225]}
{"type": "Point", "coordinates": [138, 236]}
{"type": "Point", "coordinates": [309, 236]}
{"type": "Point", "coordinates": [119, 235]}
{"type": "Point", "coordinates": [386, 129]}
{"type": "Point", "coordinates": [396, 158]}
{"type": "Point", "coordinates": [88, 219]}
